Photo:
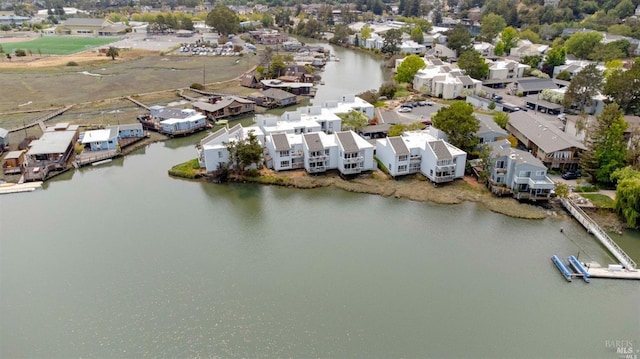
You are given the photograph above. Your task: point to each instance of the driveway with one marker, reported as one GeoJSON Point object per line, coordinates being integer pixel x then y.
{"type": "Point", "coordinates": [417, 114]}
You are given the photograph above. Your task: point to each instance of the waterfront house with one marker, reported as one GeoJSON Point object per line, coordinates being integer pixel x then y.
{"type": "Point", "coordinates": [249, 80]}
{"type": "Point", "coordinates": [303, 120]}
{"type": "Point", "coordinates": [12, 163]}
{"type": "Point", "coordinates": [100, 140]}
{"type": "Point", "coordinates": [133, 130]}
{"type": "Point", "coordinates": [285, 151]}
{"type": "Point", "coordinates": [296, 88]}
{"type": "Point", "coordinates": [4, 139]}
{"type": "Point", "coordinates": [51, 151]}
{"type": "Point", "coordinates": [346, 103]}
{"type": "Point", "coordinates": [320, 152]}
{"type": "Point", "coordinates": [517, 172]}
{"type": "Point", "coordinates": [191, 123]}
{"type": "Point", "coordinates": [411, 47]}
{"type": "Point", "coordinates": [400, 155]}
{"type": "Point", "coordinates": [355, 154]}
{"type": "Point", "coordinates": [224, 107]}
{"type": "Point", "coordinates": [442, 162]}
{"type": "Point", "coordinates": [278, 98]}
{"type": "Point", "coordinates": [212, 150]}
{"type": "Point", "coordinates": [546, 142]}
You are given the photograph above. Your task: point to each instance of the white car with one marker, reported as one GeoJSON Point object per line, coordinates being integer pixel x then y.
{"type": "Point", "coordinates": [404, 109]}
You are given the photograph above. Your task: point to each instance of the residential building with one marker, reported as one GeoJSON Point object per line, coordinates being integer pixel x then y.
{"type": "Point", "coordinates": [412, 47]}
{"type": "Point", "coordinates": [346, 103]}
{"type": "Point", "coordinates": [555, 148]}
{"type": "Point", "coordinates": [13, 20]}
{"type": "Point", "coordinates": [531, 86]}
{"type": "Point", "coordinates": [51, 151]}
{"type": "Point", "coordinates": [285, 151]}
{"type": "Point", "coordinates": [296, 88]}
{"type": "Point", "coordinates": [444, 80]}
{"type": "Point", "coordinates": [506, 69]}
{"type": "Point", "coordinates": [484, 48]}
{"type": "Point", "coordinates": [271, 98]}
{"type": "Point", "coordinates": [527, 48]}
{"type": "Point", "coordinates": [517, 172]}
{"type": "Point", "coordinates": [320, 152]}
{"type": "Point", "coordinates": [442, 52]}
{"type": "Point", "coordinates": [421, 152]}
{"type": "Point", "coordinates": [100, 140]}
{"type": "Point", "coordinates": [574, 66]}
{"type": "Point", "coordinates": [249, 80]}
{"type": "Point", "coordinates": [212, 150]}
{"type": "Point", "coordinates": [133, 130]}
{"type": "Point", "coordinates": [489, 130]}
{"type": "Point", "coordinates": [355, 154]}
{"type": "Point", "coordinates": [223, 107]}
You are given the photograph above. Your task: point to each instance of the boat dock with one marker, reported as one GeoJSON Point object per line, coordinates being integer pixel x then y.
{"type": "Point", "coordinates": [626, 263]}
{"type": "Point", "coordinates": [6, 188]}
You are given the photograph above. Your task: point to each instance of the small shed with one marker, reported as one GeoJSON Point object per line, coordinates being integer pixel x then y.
{"type": "Point", "coordinates": [13, 162]}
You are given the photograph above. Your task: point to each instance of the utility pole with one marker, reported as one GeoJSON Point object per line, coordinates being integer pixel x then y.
{"type": "Point", "coordinates": [203, 76]}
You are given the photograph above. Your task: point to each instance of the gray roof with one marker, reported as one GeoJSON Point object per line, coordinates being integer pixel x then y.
{"type": "Point", "coordinates": [547, 137]}
{"type": "Point", "coordinates": [466, 80]}
{"type": "Point", "coordinates": [487, 124]}
{"type": "Point", "coordinates": [277, 94]}
{"type": "Point", "coordinates": [213, 136]}
{"type": "Point", "coordinates": [3, 133]}
{"type": "Point", "coordinates": [398, 145]}
{"type": "Point", "coordinates": [313, 142]}
{"type": "Point", "coordinates": [13, 155]}
{"type": "Point", "coordinates": [503, 149]}
{"type": "Point", "coordinates": [51, 143]}
{"type": "Point", "coordinates": [224, 102]}
{"type": "Point", "coordinates": [83, 21]}
{"type": "Point", "coordinates": [440, 150]}
{"type": "Point", "coordinates": [536, 84]}
{"type": "Point", "coordinates": [167, 113]}
{"type": "Point", "coordinates": [347, 141]}
{"type": "Point", "coordinates": [280, 142]}
{"type": "Point", "coordinates": [131, 126]}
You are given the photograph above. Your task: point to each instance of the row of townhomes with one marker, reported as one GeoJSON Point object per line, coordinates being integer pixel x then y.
{"type": "Point", "coordinates": [312, 138]}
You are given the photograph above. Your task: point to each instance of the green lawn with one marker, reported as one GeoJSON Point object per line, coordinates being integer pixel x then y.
{"type": "Point", "coordinates": [55, 45]}
{"type": "Point", "coordinates": [599, 200]}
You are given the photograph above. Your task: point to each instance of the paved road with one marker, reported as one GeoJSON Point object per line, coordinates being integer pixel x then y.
{"type": "Point", "coordinates": [417, 114]}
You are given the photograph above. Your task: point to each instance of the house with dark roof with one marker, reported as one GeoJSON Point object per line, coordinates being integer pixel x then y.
{"type": "Point", "coordinates": [519, 173]}
{"type": "Point", "coordinates": [489, 130]}
{"type": "Point", "coordinates": [249, 80]}
{"type": "Point", "coordinates": [224, 107]}
{"type": "Point", "coordinates": [272, 98]}
{"type": "Point", "coordinates": [320, 152]}
{"type": "Point", "coordinates": [285, 151]}
{"type": "Point", "coordinates": [296, 88]}
{"type": "Point", "coordinates": [355, 154]}
{"type": "Point", "coordinates": [545, 141]}
{"type": "Point", "coordinates": [51, 151]}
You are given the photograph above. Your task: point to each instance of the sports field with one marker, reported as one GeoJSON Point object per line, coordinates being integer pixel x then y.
{"type": "Point", "coordinates": [55, 45]}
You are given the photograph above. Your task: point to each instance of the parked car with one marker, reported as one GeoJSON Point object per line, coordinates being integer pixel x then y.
{"type": "Point", "coordinates": [570, 175]}
{"type": "Point", "coordinates": [404, 109]}
{"type": "Point", "coordinates": [429, 103]}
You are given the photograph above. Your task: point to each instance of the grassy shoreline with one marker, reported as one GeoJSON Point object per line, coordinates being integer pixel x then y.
{"type": "Point", "coordinates": [414, 188]}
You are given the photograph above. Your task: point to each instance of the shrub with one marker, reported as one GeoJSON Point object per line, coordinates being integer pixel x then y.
{"type": "Point", "coordinates": [72, 63]}
{"type": "Point", "coordinates": [20, 52]}
{"type": "Point", "coordinates": [197, 86]}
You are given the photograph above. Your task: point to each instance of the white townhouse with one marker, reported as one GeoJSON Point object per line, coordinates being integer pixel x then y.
{"type": "Point", "coordinates": [212, 150]}
{"type": "Point", "coordinates": [527, 48]}
{"type": "Point", "coordinates": [346, 103]}
{"type": "Point", "coordinates": [285, 151]}
{"type": "Point", "coordinates": [290, 122]}
{"type": "Point", "coordinates": [444, 80]}
{"type": "Point", "coordinates": [320, 152]}
{"type": "Point", "coordinates": [523, 174]}
{"type": "Point", "coordinates": [484, 48]}
{"type": "Point", "coordinates": [412, 47]}
{"type": "Point", "coordinates": [506, 69]}
{"type": "Point", "coordinates": [419, 151]}
{"type": "Point", "coordinates": [355, 154]}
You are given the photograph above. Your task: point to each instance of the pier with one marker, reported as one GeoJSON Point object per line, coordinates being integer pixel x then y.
{"type": "Point", "coordinates": [592, 227]}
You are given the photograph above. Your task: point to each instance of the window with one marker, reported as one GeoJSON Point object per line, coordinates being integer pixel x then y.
{"type": "Point", "coordinates": [284, 153]}
{"type": "Point", "coordinates": [402, 158]}
{"type": "Point", "coordinates": [540, 173]}
{"type": "Point", "coordinates": [499, 180]}
{"type": "Point", "coordinates": [524, 174]}
{"type": "Point", "coordinates": [402, 168]}
{"type": "Point", "coordinates": [500, 164]}
{"type": "Point", "coordinates": [284, 164]}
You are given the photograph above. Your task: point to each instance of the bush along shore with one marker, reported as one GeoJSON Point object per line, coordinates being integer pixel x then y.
{"type": "Point", "coordinates": [414, 188]}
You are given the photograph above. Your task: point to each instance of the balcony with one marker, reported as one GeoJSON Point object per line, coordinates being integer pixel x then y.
{"type": "Point", "coordinates": [349, 171]}
{"type": "Point", "coordinates": [542, 183]}
{"type": "Point", "coordinates": [318, 159]}
{"type": "Point", "coordinates": [317, 169]}
{"type": "Point", "coordinates": [446, 168]}
{"type": "Point", "coordinates": [353, 159]}
{"type": "Point", "coordinates": [443, 178]}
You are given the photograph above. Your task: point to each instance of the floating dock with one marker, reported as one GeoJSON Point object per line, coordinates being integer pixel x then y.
{"type": "Point", "coordinates": [578, 267]}
{"type": "Point", "coordinates": [7, 188]}
{"type": "Point", "coordinates": [562, 268]}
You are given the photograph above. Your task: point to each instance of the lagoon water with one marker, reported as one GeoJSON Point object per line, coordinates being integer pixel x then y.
{"type": "Point", "coordinates": [121, 261]}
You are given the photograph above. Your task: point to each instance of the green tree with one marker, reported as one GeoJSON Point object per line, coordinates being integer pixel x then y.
{"type": "Point", "coordinates": [459, 39]}
{"type": "Point", "coordinates": [399, 128]}
{"type": "Point", "coordinates": [353, 120]}
{"type": "Point", "coordinates": [532, 60]}
{"type": "Point", "coordinates": [528, 34]}
{"type": "Point", "coordinates": [267, 20]}
{"type": "Point", "coordinates": [388, 89]}
{"type": "Point", "coordinates": [277, 66]}
{"type": "Point", "coordinates": [112, 52]}
{"type": "Point", "coordinates": [408, 68]}
{"type": "Point", "coordinates": [623, 88]}
{"type": "Point", "coordinates": [501, 118]}
{"type": "Point", "coordinates": [223, 19]}
{"type": "Point", "coordinates": [625, 8]}
{"type": "Point", "coordinates": [583, 87]}
{"type": "Point", "coordinates": [459, 124]}
{"type": "Point", "coordinates": [365, 32]}
{"type": "Point", "coordinates": [341, 34]}
{"type": "Point", "coordinates": [187, 24]}
{"type": "Point", "coordinates": [417, 35]}
{"type": "Point", "coordinates": [509, 37]}
{"type": "Point", "coordinates": [244, 152]}
{"type": "Point", "coordinates": [627, 202]}
{"type": "Point", "coordinates": [555, 57]}
{"type": "Point", "coordinates": [391, 40]}
{"type": "Point", "coordinates": [564, 75]}
{"type": "Point", "coordinates": [608, 144]}
{"type": "Point", "coordinates": [581, 44]}
{"type": "Point", "coordinates": [491, 26]}
{"type": "Point", "coordinates": [472, 63]}
{"type": "Point", "coordinates": [562, 190]}
{"type": "Point", "coordinates": [498, 50]}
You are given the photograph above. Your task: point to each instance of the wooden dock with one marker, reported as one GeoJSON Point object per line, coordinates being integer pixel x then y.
{"type": "Point", "coordinates": [93, 156]}
{"type": "Point", "coordinates": [138, 103]}
{"type": "Point", "coordinates": [40, 122]}
{"type": "Point", "coordinates": [7, 188]}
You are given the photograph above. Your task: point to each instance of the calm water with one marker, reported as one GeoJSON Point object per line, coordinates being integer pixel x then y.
{"type": "Point", "coordinates": [121, 261]}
